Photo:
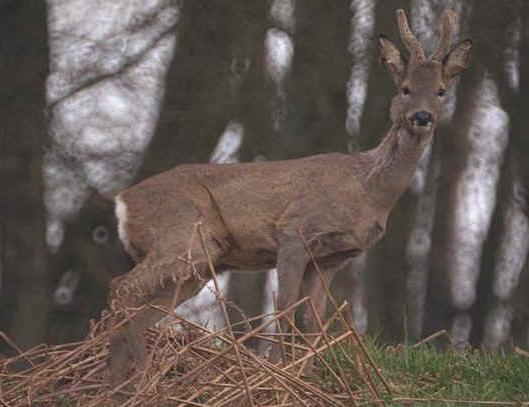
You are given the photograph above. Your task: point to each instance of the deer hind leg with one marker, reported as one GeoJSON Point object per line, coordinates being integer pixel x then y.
{"type": "Point", "coordinates": [313, 287]}
{"type": "Point", "coordinates": [161, 281]}
{"type": "Point", "coordinates": [128, 343]}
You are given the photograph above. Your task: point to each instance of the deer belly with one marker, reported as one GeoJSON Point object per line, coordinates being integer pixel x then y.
{"type": "Point", "coordinates": [253, 246]}
{"type": "Point", "coordinates": [338, 258]}
{"type": "Point", "coordinates": [249, 260]}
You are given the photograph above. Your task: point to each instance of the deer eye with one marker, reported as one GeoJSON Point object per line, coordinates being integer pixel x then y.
{"type": "Point", "coordinates": [441, 92]}
{"type": "Point", "coordinates": [405, 90]}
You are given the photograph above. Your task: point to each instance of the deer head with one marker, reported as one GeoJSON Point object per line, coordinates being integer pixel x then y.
{"type": "Point", "coordinates": [423, 81]}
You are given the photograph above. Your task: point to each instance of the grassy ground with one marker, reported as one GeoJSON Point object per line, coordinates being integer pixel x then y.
{"type": "Point", "coordinates": [76, 375]}
{"type": "Point", "coordinates": [442, 377]}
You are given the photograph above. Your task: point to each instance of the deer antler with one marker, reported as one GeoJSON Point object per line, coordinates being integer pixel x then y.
{"type": "Point", "coordinates": [410, 40]}
{"type": "Point", "coordinates": [447, 34]}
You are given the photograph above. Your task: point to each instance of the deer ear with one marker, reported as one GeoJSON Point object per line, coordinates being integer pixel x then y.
{"type": "Point", "coordinates": [457, 60]}
{"type": "Point", "coordinates": [392, 58]}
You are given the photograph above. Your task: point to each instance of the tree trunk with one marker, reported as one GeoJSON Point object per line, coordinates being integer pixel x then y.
{"type": "Point", "coordinates": [199, 101]}
{"type": "Point", "coordinates": [26, 299]}
{"type": "Point", "coordinates": [520, 140]}
{"type": "Point", "coordinates": [90, 256]}
{"type": "Point", "coordinates": [320, 72]}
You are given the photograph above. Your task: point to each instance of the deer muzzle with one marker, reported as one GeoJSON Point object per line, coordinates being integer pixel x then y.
{"type": "Point", "coordinates": [421, 119]}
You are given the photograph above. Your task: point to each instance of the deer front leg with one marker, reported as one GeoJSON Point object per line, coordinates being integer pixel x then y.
{"type": "Point", "coordinates": [292, 259]}
{"type": "Point", "coordinates": [313, 287]}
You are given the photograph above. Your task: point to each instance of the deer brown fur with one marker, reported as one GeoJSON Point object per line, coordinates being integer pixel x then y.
{"type": "Point", "coordinates": [260, 215]}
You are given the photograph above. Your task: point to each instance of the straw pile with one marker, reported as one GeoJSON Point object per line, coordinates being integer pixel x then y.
{"type": "Point", "coordinates": [197, 367]}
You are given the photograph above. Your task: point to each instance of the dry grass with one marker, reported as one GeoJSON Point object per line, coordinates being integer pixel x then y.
{"type": "Point", "coordinates": [195, 368]}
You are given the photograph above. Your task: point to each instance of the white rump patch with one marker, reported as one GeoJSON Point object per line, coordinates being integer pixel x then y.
{"type": "Point", "coordinates": [121, 215]}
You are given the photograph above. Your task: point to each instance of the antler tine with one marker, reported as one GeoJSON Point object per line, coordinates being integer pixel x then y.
{"type": "Point", "coordinates": [447, 34]}
{"type": "Point", "coordinates": [410, 40]}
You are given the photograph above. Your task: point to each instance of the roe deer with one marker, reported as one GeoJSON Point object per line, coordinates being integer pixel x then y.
{"type": "Point", "coordinates": [259, 215]}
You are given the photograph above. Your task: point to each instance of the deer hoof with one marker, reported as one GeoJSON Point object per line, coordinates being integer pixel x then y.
{"type": "Point", "coordinates": [119, 358]}
{"type": "Point", "coordinates": [137, 346]}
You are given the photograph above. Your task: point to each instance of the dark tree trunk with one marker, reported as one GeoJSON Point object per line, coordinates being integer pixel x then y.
{"type": "Point", "coordinates": [387, 271]}
{"type": "Point", "coordinates": [26, 297]}
{"type": "Point", "coordinates": [90, 256]}
{"type": "Point", "coordinates": [190, 121]}
{"type": "Point", "coordinates": [245, 296]}
{"type": "Point", "coordinates": [520, 111]}
{"type": "Point", "coordinates": [253, 100]}
{"type": "Point", "coordinates": [199, 100]}
{"type": "Point", "coordinates": [520, 141]}
{"type": "Point", "coordinates": [319, 87]}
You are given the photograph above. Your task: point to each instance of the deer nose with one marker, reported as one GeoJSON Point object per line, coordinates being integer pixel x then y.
{"type": "Point", "coordinates": [421, 118]}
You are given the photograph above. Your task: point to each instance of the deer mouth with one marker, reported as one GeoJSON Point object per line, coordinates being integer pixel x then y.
{"type": "Point", "coordinates": [420, 123]}
{"type": "Point", "coordinates": [421, 126]}
{"type": "Point", "coordinates": [421, 119]}
{"type": "Point", "coordinates": [419, 130]}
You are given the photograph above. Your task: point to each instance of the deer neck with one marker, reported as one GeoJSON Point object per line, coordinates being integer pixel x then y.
{"type": "Point", "coordinates": [390, 165]}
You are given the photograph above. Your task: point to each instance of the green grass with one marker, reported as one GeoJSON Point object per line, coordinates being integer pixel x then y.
{"type": "Point", "coordinates": [427, 373]}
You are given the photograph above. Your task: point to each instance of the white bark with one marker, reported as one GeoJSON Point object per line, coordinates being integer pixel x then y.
{"type": "Point", "coordinates": [279, 54]}
{"type": "Point", "coordinates": [509, 261]}
{"type": "Point", "coordinates": [362, 26]}
{"type": "Point", "coordinates": [512, 56]}
{"type": "Point", "coordinates": [108, 61]}
{"type": "Point", "coordinates": [227, 149]}
{"type": "Point", "coordinates": [476, 195]}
